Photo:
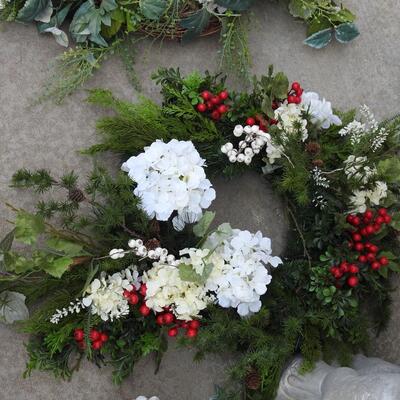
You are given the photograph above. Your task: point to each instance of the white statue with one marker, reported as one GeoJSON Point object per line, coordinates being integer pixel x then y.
{"type": "Point", "coordinates": [368, 379]}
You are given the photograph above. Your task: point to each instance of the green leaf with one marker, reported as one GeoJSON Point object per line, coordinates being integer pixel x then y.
{"type": "Point", "coordinates": [389, 169]}
{"type": "Point", "coordinates": [28, 227]}
{"type": "Point", "coordinates": [345, 33]}
{"type": "Point", "coordinates": [68, 248]}
{"type": "Point", "coordinates": [395, 267]}
{"type": "Point", "coordinates": [58, 266]}
{"type": "Point", "coordinates": [318, 24]}
{"type": "Point", "coordinates": [395, 222]}
{"type": "Point", "coordinates": [188, 274]}
{"type": "Point", "coordinates": [31, 9]}
{"type": "Point", "coordinates": [12, 307]}
{"type": "Point", "coordinates": [299, 9]}
{"type": "Point", "coordinates": [267, 106]}
{"type": "Point", "coordinates": [153, 9]}
{"type": "Point", "coordinates": [195, 24]}
{"type": "Point", "coordinates": [383, 272]}
{"type": "Point", "coordinates": [201, 228]}
{"type": "Point", "coordinates": [319, 39]}
{"type": "Point", "coordinates": [235, 5]}
{"type": "Point", "coordinates": [280, 86]}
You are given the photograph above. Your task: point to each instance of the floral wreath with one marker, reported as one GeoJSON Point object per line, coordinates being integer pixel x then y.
{"type": "Point", "coordinates": [99, 28]}
{"type": "Point", "coordinates": [147, 263]}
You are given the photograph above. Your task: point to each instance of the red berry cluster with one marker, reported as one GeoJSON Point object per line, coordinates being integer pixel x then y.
{"type": "Point", "coordinates": [365, 226]}
{"type": "Point", "coordinates": [135, 296]}
{"type": "Point", "coordinates": [214, 104]}
{"type": "Point", "coordinates": [97, 338]}
{"type": "Point", "coordinates": [294, 95]}
{"type": "Point", "coordinates": [167, 318]}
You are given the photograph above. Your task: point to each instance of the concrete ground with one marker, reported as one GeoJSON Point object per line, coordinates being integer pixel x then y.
{"type": "Point", "coordinates": [49, 136]}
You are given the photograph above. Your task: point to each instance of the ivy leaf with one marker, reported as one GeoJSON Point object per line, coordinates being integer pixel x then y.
{"type": "Point", "coordinates": [319, 39]}
{"type": "Point", "coordinates": [280, 86]}
{"type": "Point", "coordinates": [195, 24]}
{"type": "Point", "coordinates": [13, 307]}
{"type": "Point", "coordinates": [28, 227]}
{"type": "Point", "coordinates": [58, 266]}
{"type": "Point", "coordinates": [299, 9]}
{"type": "Point", "coordinates": [31, 9]}
{"type": "Point", "coordinates": [345, 33]}
{"type": "Point", "coordinates": [152, 9]}
{"type": "Point", "coordinates": [235, 5]}
{"type": "Point", "coordinates": [201, 228]}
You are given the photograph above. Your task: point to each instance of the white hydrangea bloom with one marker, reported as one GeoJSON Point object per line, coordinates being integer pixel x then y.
{"type": "Point", "coordinates": [165, 288]}
{"type": "Point", "coordinates": [170, 177]}
{"type": "Point", "coordinates": [359, 198]}
{"type": "Point", "coordinates": [274, 152]}
{"type": "Point", "coordinates": [243, 276]}
{"type": "Point", "coordinates": [105, 295]}
{"type": "Point", "coordinates": [291, 121]}
{"type": "Point", "coordinates": [320, 110]}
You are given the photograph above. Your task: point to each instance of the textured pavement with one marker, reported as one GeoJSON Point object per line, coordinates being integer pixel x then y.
{"type": "Point", "coordinates": [49, 136]}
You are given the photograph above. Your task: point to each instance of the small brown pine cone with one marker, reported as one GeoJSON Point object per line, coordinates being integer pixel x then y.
{"type": "Point", "coordinates": [253, 379]}
{"type": "Point", "coordinates": [317, 163]}
{"type": "Point", "coordinates": [313, 148]}
{"type": "Point", "coordinates": [76, 195]}
{"type": "Point", "coordinates": [152, 244]}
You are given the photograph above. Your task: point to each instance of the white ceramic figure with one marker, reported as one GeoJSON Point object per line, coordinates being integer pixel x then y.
{"type": "Point", "coordinates": [368, 379]}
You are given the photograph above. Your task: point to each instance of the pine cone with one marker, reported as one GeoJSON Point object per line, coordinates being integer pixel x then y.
{"type": "Point", "coordinates": [253, 379]}
{"type": "Point", "coordinates": [313, 148]}
{"type": "Point", "coordinates": [154, 227]}
{"type": "Point", "coordinates": [317, 163]}
{"type": "Point", "coordinates": [76, 195]}
{"type": "Point", "coordinates": [152, 244]}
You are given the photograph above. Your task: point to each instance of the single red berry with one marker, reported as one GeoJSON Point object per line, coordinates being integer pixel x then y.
{"type": "Point", "coordinates": [382, 212]}
{"type": "Point", "coordinates": [215, 115]}
{"type": "Point", "coordinates": [206, 95]}
{"type": "Point", "coordinates": [194, 324]}
{"type": "Point", "coordinates": [362, 258]}
{"type": "Point", "coordinates": [133, 299]}
{"type": "Point", "coordinates": [356, 237]}
{"type": "Point", "coordinates": [369, 229]}
{"type": "Point", "coordinates": [104, 337]}
{"type": "Point", "coordinates": [333, 270]}
{"type": "Point", "coordinates": [143, 289]}
{"type": "Point", "coordinates": [292, 99]}
{"type": "Point", "coordinates": [172, 332]}
{"type": "Point", "coordinates": [79, 334]}
{"type": "Point", "coordinates": [296, 86]}
{"type": "Point", "coordinates": [371, 257]}
{"type": "Point", "coordinates": [297, 99]}
{"type": "Point", "coordinates": [168, 318]}
{"type": "Point", "coordinates": [344, 267]}
{"type": "Point", "coordinates": [215, 100]}
{"type": "Point", "coordinates": [97, 345]}
{"type": "Point", "coordinates": [352, 281]}
{"type": "Point", "coordinates": [222, 109]}
{"type": "Point", "coordinates": [363, 232]}
{"type": "Point", "coordinates": [94, 335]}
{"type": "Point", "coordinates": [368, 215]}
{"type": "Point", "coordinates": [375, 265]}
{"type": "Point", "coordinates": [356, 221]}
{"type": "Point", "coordinates": [223, 95]}
{"type": "Point", "coordinates": [377, 227]}
{"type": "Point", "coordinates": [250, 121]}
{"type": "Point", "coordinates": [201, 107]}
{"type": "Point", "coordinates": [373, 248]}
{"type": "Point", "coordinates": [359, 246]}
{"type": "Point", "coordinates": [183, 324]}
{"type": "Point", "coordinates": [387, 219]}
{"type": "Point", "coordinates": [191, 333]}
{"type": "Point", "coordinates": [349, 218]}
{"type": "Point", "coordinates": [160, 319]}
{"type": "Point", "coordinates": [380, 219]}
{"type": "Point", "coordinates": [353, 269]}
{"type": "Point", "coordinates": [384, 260]}
{"type": "Point", "coordinates": [210, 106]}
{"type": "Point", "coordinates": [144, 310]}
{"type": "Point", "coordinates": [299, 92]}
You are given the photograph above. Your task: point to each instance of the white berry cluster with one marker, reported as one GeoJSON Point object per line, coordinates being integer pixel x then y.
{"type": "Point", "coordinates": [140, 250]}
{"type": "Point", "coordinates": [243, 276]}
{"type": "Point", "coordinates": [254, 140]}
{"type": "Point", "coordinates": [170, 178]}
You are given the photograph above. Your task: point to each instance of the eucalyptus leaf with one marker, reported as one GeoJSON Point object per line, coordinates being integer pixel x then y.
{"type": "Point", "coordinates": [319, 39]}
{"type": "Point", "coordinates": [153, 9]}
{"type": "Point", "coordinates": [31, 9]}
{"type": "Point", "coordinates": [235, 5]}
{"type": "Point", "coordinates": [195, 24]}
{"type": "Point", "coordinates": [201, 228]}
{"type": "Point", "coordinates": [13, 307]}
{"type": "Point", "coordinates": [345, 33]}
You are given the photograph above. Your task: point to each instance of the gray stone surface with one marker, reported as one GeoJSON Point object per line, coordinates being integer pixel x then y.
{"type": "Point", "coordinates": [365, 71]}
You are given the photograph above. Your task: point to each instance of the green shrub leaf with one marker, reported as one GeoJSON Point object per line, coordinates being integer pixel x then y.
{"type": "Point", "coordinates": [201, 228]}
{"type": "Point", "coordinates": [152, 9]}
{"type": "Point", "coordinates": [195, 24]}
{"type": "Point", "coordinates": [345, 33]}
{"type": "Point", "coordinates": [31, 9]}
{"type": "Point", "coordinates": [319, 39]}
